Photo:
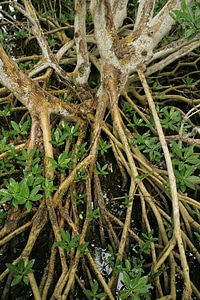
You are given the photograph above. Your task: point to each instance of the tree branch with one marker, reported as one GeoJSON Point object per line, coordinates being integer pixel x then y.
{"type": "Point", "coordinates": [170, 48]}
{"type": "Point", "coordinates": [29, 93]}
{"type": "Point", "coordinates": [170, 58]}
{"type": "Point", "coordinates": [144, 13]}
{"type": "Point", "coordinates": [119, 9]}
{"type": "Point", "coordinates": [82, 70]}
{"type": "Point", "coordinates": [48, 58]}
{"type": "Point", "coordinates": [161, 24]}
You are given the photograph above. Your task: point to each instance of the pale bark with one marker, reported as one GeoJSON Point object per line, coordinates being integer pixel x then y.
{"type": "Point", "coordinates": [82, 71]}
{"type": "Point", "coordinates": [173, 56]}
{"type": "Point", "coordinates": [29, 93]}
{"type": "Point", "coordinates": [48, 59]}
{"type": "Point", "coordinates": [144, 13]}
{"type": "Point", "coordinates": [119, 9]}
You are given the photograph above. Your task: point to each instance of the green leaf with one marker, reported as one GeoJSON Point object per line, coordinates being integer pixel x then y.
{"type": "Point", "coordinates": [184, 6]}
{"type": "Point", "coordinates": [38, 180]}
{"type": "Point", "coordinates": [48, 186]}
{"type": "Point", "coordinates": [190, 32]}
{"type": "Point", "coordinates": [13, 186]}
{"type": "Point", "coordinates": [123, 294]}
{"type": "Point", "coordinates": [16, 280]}
{"type": "Point", "coordinates": [66, 163]}
{"type": "Point", "coordinates": [142, 286]}
{"type": "Point", "coordinates": [19, 199]}
{"type": "Point", "coordinates": [128, 265]}
{"type": "Point", "coordinates": [189, 185]}
{"type": "Point", "coordinates": [188, 152]}
{"type": "Point", "coordinates": [61, 244]}
{"type": "Point", "coordinates": [20, 265]}
{"type": "Point", "coordinates": [75, 131]}
{"type": "Point", "coordinates": [26, 280]}
{"type": "Point", "coordinates": [34, 196]}
{"type": "Point", "coordinates": [98, 166]}
{"type": "Point", "coordinates": [136, 280]}
{"type": "Point", "coordinates": [12, 268]}
{"type": "Point", "coordinates": [52, 161]}
{"type": "Point", "coordinates": [24, 189]}
{"type": "Point", "coordinates": [15, 126]}
{"type": "Point", "coordinates": [134, 297]}
{"type": "Point", "coordinates": [95, 287]}
{"type": "Point", "coordinates": [193, 159]}
{"type": "Point", "coordinates": [126, 279]}
{"type": "Point", "coordinates": [197, 235]}
{"type": "Point", "coordinates": [104, 167]}
{"type": "Point", "coordinates": [28, 205]}
{"type": "Point", "coordinates": [101, 170]}
{"type": "Point", "coordinates": [143, 289]}
{"type": "Point", "coordinates": [101, 295]}
{"type": "Point", "coordinates": [193, 178]}
{"type": "Point", "coordinates": [6, 198]}
{"type": "Point", "coordinates": [103, 146]}
{"type": "Point", "coordinates": [75, 241]}
{"type": "Point", "coordinates": [83, 248]}
{"type": "Point", "coordinates": [176, 149]}
{"type": "Point", "coordinates": [57, 136]}
{"type": "Point", "coordinates": [15, 203]}
{"type": "Point", "coordinates": [189, 171]}
{"type": "Point", "coordinates": [88, 293]}
{"type": "Point", "coordinates": [28, 268]}
{"type": "Point", "coordinates": [65, 235]}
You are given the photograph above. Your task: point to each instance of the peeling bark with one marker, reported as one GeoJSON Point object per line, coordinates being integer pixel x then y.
{"type": "Point", "coordinates": [29, 93]}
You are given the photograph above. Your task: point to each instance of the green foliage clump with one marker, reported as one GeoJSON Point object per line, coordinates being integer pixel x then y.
{"type": "Point", "coordinates": [19, 193]}
{"type": "Point", "coordinates": [94, 293]}
{"type": "Point", "coordinates": [69, 242]}
{"type": "Point", "coordinates": [103, 146]}
{"type": "Point", "coordinates": [184, 160]}
{"type": "Point", "coordinates": [28, 188]}
{"type": "Point", "coordinates": [188, 18]}
{"type": "Point", "coordinates": [20, 271]}
{"type": "Point", "coordinates": [134, 283]}
{"type": "Point", "coordinates": [101, 170]}
{"type": "Point", "coordinates": [63, 132]}
{"type": "Point", "coordinates": [185, 163]}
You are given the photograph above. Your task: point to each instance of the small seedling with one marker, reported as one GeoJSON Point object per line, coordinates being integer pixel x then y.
{"type": "Point", "coordinates": [21, 129]}
{"type": "Point", "coordinates": [146, 246]}
{"type": "Point", "coordinates": [81, 176]}
{"type": "Point", "coordinates": [135, 286]}
{"type": "Point", "coordinates": [93, 214]}
{"type": "Point", "coordinates": [68, 243]}
{"type": "Point", "coordinates": [103, 146]}
{"type": "Point", "coordinates": [64, 162]}
{"type": "Point", "coordinates": [101, 170]}
{"type": "Point", "coordinates": [127, 201]}
{"type": "Point", "coordinates": [20, 271]}
{"type": "Point", "coordinates": [79, 198]}
{"type": "Point", "coordinates": [94, 292]}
